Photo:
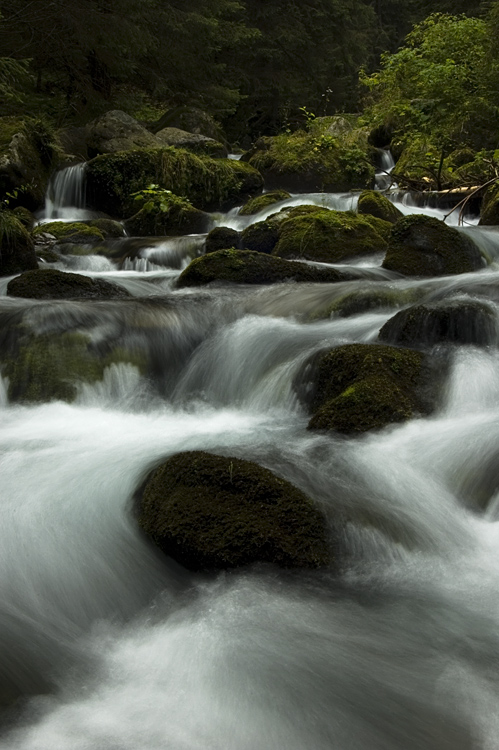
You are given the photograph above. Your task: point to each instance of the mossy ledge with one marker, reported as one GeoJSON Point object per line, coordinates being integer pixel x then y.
{"type": "Point", "coordinates": [361, 387]}
{"type": "Point", "coordinates": [207, 183]}
{"type": "Point", "coordinates": [76, 231]}
{"type": "Point", "coordinates": [213, 512]}
{"type": "Point", "coordinates": [249, 267]}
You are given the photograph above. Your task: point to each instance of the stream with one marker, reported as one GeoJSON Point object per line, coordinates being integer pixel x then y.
{"type": "Point", "coordinates": [107, 645]}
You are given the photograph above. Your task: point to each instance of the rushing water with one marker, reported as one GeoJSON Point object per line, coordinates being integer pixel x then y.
{"type": "Point", "coordinates": [121, 648]}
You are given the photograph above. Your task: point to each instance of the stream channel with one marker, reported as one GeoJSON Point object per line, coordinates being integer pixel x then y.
{"type": "Point", "coordinates": [119, 648]}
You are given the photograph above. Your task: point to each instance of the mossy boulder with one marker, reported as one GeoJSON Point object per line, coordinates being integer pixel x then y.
{"type": "Point", "coordinates": [361, 387]}
{"type": "Point", "coordinates": [17, 253]}
{"type": "Point", "coordinates": [221, 238]}
{"type": "Point", "coordinates": [116, 131]}
{"type": "Point", "coordinates": [108, 227]}
{"type": "Point", "coordinates": [327, 236]}
{"type": "Point", "coordinates": [51, 366]}
{"type": "Point", "coordinates": [249, 267]}
{"type": "Point", "coordinates": [171, 215]}
{"type": "Point", "coordinates": [262, 236]}
{"type": "Point", "coordinates": [212, 512]}
{"type": "Point", "coordinates": [374, 203]}
{"type": "Point", "coordinates": [257, 204]}
{"type": "Point", "coordinates": [70, 232]}
{"type": "Point", "coordinates": [460, 321]}
{"type": "Point", "coordinates": [28, 155]}
{"type": "Point", "coordinates": [48, 283]}
{"type": "Point", "coordinates": [310, 162]}
{"type": "Point", "coordinates": [208, 183]}
{"type": "Point", "coordinates": [192, 120]}
{"type": "Point", "coordinates": [192, 142]}
{"type": "Point", "coordinates": [424, 246]}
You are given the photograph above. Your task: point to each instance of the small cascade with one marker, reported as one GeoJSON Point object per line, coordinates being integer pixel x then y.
{"type": "Point", "coordinates": [66, 195]}
{"type": "Point", "coordinates": [383, 178]}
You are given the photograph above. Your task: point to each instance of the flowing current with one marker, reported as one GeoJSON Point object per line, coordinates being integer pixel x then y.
{"type": "Point", "coordinates": [105, 644]}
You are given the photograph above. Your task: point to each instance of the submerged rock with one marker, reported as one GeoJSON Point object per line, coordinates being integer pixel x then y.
{"type": "Point", "coordinates": [374, 203]}
{"type": "Point", "coordinates": [211, 512]}
{"type": "Point", "coordinates": [463, 321]}
{"type": "Point", "coordinates": [361, 387]}
{"type": "Point", "coordinates": [17, 253]}
{"type": "Point", "coordinates": [424, 246]}
{"type": "Point", "coordinates": [249, 267]}
{"type": "Point", "coordinates": [318, 234]}
{"type": "Point", "coordinates": [48, 283]}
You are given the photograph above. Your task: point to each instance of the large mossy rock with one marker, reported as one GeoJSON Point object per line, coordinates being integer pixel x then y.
{"type": "Point", "coordinates": [51, 366]}
{"type": "Point", "coordinates": [318, 234]}
{"type": "Point", "coordinates": [374, 203]}
{"type": "Point", "coordinates": [361, 387]}
{"type": "Point", "coordinates": [461, 321]}
{"type": "Point", "coordinates": [210, 512]}
{"type": "Point", "coordinates": [261, 202]}
{"type": "Point", "coordinates": [221, 238]}
{"type": "Point", "coordinates": [170, 216]}
{"type": "Point", "coordinates": [70, 231]}
{"type": "Point", "coordinates": [262, 236]}
{"type": "Point", "coordinates": [424, 246]}
{"type": "Point", "coordinates": [314, 161]}
{"type": "Point", "coordinates": [249, 267]}
{"type": "Point", "coordinates": [28, 155]}
{"type": "Point", "coordinates": [48, 283]}
{"type": "Point", "coordinates": [196, 142]}
{"type": "Point", "coordinates": [208, 183]}
{"type": "Point", "coordinates": [116, 131]}
{"type": "Point", "coordinates": [192, 120]}
{"type": "Point", "coordinates": [17, 251]}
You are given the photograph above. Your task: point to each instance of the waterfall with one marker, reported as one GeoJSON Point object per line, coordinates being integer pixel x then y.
{"type": "Point", "coordinates": [383, 177]}
{"type": "Point", "coordinates": [65, 199]}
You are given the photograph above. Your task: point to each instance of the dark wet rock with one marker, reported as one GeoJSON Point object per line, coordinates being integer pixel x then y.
{"type": "Point", "coordinates": [17, 253]}
{"type": "Point", "coordinates": [257, 204]}
{"type": "Point", "coordinates": [262, 236]}
{"type": "Point", "coordinates": [489, 215]}
{"type": "Point", "coordinates": [424, 246]}
{"type": "Point", "coordinates": [221, 238]}
{"type": "Point", "coordinates": [48, 283]}
{"type": "Point", "coordinates": [249, 267]}
{"type": "Point", "coordinates": [318, 234]}
{"type": "Point", "coordinates": [462, 321]}
{"type": "Point", "coordinates": [192, 142]}
{"type": "Point", "coordinates": [211, 512]}
{"type": "Point", "coordinates": [361, 387]}
{"type": "Point", "coordinates": [192, 120]}
{"type": "Point", "coordinates": [108, 227]}
{"type": "Point", "coordinates": [116, 131]}
{"type": "Point", "coordinates": [374, 203]}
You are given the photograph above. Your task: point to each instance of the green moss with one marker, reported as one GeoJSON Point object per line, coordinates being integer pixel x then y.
{"type": "Point", "coordinates": [49, 283]}
{"type": "Point", "coordinates": [221, 238]}
{"type": "Point", "coordinates": [424, 246]}
{"type": "Point", "coordinates": [25, 217]}
{"type": "Point", "coordinates": [490, 206]}
{"type": "Point", "coordinates": [108, 227]}
{"type": "Point", "coordinates": [375, 204]}
{"type": "Point", "coordinates": [249, 267]}
{"type": "Point", "coordinates": [212, 512]}
{"type": "Point", "coordinates": [50, 367]}
{"type": "Point", "coordinates": [261, 237]}
{"type": "Point", "coordinates": [206, 182]}
{"type": "Point", "coordinates": [17, 252]}
{"type": "Point", "coordinates": [360, 387]}
{"type": "Point", "coordinates": [364, 300]}
{"type": "Point", "coordinates": [263, 201]}
{"type": "Point", "coordinates": [70, 232]}
{"type": "Point", "coordinates": [327, 236]}
{"type": "Point", "coordinates": [314, 161]}
{"type": "Point", "coordinates": [165, 214]}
